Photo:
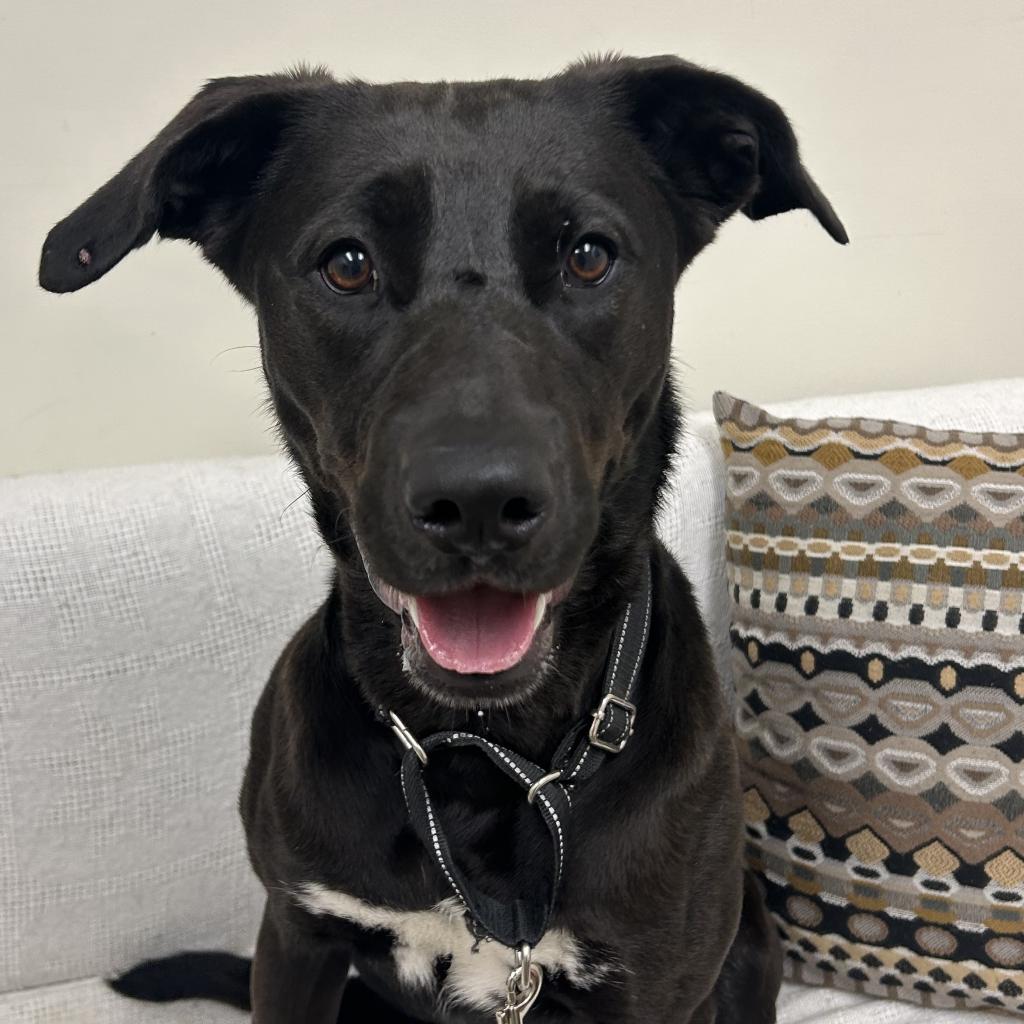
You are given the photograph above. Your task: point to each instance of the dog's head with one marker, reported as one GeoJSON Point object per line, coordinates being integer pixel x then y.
{"type": "Point", "coordinates": [464, 294]}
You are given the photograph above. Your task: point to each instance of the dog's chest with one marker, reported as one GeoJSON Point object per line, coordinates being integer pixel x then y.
{"type": "Point", "coordinates": [435, 952]}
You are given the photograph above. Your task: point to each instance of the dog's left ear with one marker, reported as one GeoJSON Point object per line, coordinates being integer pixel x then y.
{"type": "Point", "coordinates": [195, 181]}
{"type": "Point", "coordinates": [722, 145]}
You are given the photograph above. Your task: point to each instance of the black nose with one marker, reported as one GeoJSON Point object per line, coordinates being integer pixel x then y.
{"type": "Point", "coordinates": [477, 502]}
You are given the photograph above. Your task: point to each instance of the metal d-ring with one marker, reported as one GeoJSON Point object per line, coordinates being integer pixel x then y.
{"type": "Point", "coordinates": [524, 962]}
{"type": "Point", "coordinates": [539, 785]}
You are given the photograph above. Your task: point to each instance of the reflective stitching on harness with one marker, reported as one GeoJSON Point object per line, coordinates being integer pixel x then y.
{"type": "Point", "coordinates": [609, 721]}
{"type": "Point", "coordinates": [480, 741]}
{"type": "Point", "coordinates": [613, 675]}
{"type": "Point", "coordinates": [437, 846]}
{"type": "Point", "coordinates": [642, 647]}
{"type": "Point", "coordinates": [587, 749]}
{"type": "Point", "coordinates": [540, 796]}
{"type": "Point", "coordinates": [581, 762]}
{"type": "Point", "coordinates": [622, 640]}
{"type": "Point", "coordinates": [558, 827]}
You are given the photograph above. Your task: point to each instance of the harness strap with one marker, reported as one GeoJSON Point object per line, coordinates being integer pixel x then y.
{"type": "Point", "coordinates": [577, 759]}
{"type": "Point", "coordinates": [612, 722]}
{"type": "Point", "coordinates": [525, 919]}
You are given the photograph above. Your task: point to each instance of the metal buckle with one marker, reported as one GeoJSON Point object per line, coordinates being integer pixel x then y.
{"type": "Point", "coordinates": [401, 730]}
{"type": "Point", "coordinates": [610, 699]}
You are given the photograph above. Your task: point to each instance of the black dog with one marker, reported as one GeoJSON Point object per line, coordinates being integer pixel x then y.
{"type": "Point", "coordinates": [464, 295]}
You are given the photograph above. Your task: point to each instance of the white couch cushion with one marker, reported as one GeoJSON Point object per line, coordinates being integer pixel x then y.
{"type": "Point", "coordinates": [140, 613]}
{"type": "Point", "coordinates": [90, 1002]}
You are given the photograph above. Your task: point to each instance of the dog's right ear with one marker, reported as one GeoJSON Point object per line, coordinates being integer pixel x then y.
{"type": "Point", "coordinates": [721, 146]}
{"type": "Point", "coordinates": [193, 181]}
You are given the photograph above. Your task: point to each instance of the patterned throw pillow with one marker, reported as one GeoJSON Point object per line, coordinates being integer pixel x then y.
{"type": "Point", "coordinates": [877, 577]}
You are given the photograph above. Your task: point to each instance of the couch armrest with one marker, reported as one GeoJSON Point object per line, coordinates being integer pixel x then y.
{"type": "Point", "coordinates": [140, 613]}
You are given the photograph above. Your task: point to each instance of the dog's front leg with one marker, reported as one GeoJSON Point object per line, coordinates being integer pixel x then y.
{"type": "Point", "coordinates": [295, 979]}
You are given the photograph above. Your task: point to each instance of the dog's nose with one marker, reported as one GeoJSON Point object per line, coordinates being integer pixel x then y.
{"type": "Point", "coordinates": [478, 502]}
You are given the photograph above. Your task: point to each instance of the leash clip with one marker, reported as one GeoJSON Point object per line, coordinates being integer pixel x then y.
{"type": "Point", "coordinates": [599, 716]}
{"type": "Point", "coordinates": [522, 989]}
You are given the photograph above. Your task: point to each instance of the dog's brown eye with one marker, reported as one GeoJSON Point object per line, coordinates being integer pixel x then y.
{"type": "Point", "coordinates": [590, 260]}
{"type": "Point", "coordinates": [348, 268]}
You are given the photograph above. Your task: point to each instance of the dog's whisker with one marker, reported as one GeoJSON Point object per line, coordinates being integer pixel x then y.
{"type": "Point", "coordinates": [305, 493]}
{"type": "Point", "coordinates": [317, 551]}
{"type": "Point", "coordinates": [233, 348]}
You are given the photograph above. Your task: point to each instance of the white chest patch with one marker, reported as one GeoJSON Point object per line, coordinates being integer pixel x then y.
{"type": "Point", "coordinates": [421, 937]}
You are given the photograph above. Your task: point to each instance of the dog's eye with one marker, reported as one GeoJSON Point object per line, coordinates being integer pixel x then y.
{"type": "Point", "coordinates": [347, 268]}
{"type": "Point", "coordinates": [590, 261]}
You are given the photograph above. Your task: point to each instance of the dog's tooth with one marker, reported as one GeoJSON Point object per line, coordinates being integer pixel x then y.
{"type": "Point", "coordinates": [542, 607]}
{"type": "Point", "coordinates": [414, 610]}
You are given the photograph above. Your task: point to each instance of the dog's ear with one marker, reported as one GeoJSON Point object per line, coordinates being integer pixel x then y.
{"type": "Point", "coordinates": [193, 181]}
{"type": "Point", "coordinates": [722, 145]}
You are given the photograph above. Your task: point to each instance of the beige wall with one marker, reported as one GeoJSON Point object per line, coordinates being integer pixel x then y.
{"type": "Point", "coordinates": [911, 114]}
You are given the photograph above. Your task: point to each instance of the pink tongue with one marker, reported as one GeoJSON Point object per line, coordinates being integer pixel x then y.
{"type": "Point", "coordinates": [479, 631]}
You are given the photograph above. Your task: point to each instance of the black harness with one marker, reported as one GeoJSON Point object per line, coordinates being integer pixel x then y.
{"type": "Point", "coordinates": [579, 756]}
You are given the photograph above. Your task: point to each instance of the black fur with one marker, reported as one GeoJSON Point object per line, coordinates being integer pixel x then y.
{"type": "Point", "coordinates": [225, 978]}
{"type": "Point", "coordinates": [468, 198]}
{"type": "Point", "coordinates": [203, 975]}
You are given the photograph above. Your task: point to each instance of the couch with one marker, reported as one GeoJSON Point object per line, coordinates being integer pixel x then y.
{"type": "Point", "coordinates": [140, 612]}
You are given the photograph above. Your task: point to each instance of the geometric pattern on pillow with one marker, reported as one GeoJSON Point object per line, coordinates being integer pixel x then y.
{"type": "Point", "coordinates": [877, 577]}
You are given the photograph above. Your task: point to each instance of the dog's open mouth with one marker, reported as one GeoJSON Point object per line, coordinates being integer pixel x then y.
{"type": "Point", "coordinates": [479, 631]}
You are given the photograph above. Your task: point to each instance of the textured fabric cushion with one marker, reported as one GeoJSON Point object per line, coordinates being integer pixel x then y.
{"type": "Point", "coordinates": [140, 613]}
{"type": "Point", "coordinates": [90, 1002]}
{"type": "Point", "coordinates": [877, 575]}
{"type": "Point", "coordinates": [691, 527]}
